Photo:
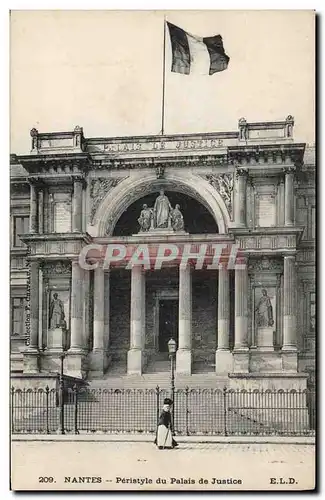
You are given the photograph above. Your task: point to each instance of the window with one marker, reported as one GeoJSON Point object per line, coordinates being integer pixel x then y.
{"type": "Point", "coordinates": [18, 316]}
{"type": "Point", "coordinates": [21, 226]}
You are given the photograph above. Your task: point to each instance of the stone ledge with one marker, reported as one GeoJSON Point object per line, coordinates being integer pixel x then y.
{"type": "Point", "coordinates": [253, 375]}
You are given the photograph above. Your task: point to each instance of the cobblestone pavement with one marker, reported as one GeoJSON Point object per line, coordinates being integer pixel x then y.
{"type": "Point", "coordinates": [141, 466]}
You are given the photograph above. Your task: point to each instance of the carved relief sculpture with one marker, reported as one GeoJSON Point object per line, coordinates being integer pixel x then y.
{"type": "Point", "coordinates": [223, 183]}
{"type": "Point", "coordinates": [99, 188]}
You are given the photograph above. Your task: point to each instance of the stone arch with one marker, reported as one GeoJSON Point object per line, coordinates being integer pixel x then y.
{"type": "Point", "coordinates": [139, 184]}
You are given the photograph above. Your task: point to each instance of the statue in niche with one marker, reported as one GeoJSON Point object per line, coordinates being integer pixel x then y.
{"type": "Point", "coordinates": [264, 311]}
{"type": "Point", "coordinates": [146, 218]}
{"type": "Point", "coordinates": [162, 211]}
{"type": "Point", "coordinates": [57, 316]}
{"type": "Point", "coordinates": [177, 219]}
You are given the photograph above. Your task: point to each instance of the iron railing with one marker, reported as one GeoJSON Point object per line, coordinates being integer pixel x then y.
{"type": "Point", "coordinates": [196, 411]}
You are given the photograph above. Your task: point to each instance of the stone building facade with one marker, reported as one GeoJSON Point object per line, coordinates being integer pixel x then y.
{"type": "Point", "coordinates": [252, 189]}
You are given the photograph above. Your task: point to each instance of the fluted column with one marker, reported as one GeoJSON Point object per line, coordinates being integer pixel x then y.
{"type": "Point", "coordinates": [241, 360]}
{"type": "Point", "coordinates": [98, 353]}
{"type": "Point", "coordinates": [31, 353]}
{"type": "Point", "coordinates": [74, 363]}
{"type": "Point", "coordinates": [106, 308]}
{"type": "Point", "coordinates": [135, 354]}
{"type": "Point", "coordinates": [40, 211]}
{"type": "Point", "coordinates": [289, 304]}
{"type": "Point", "coordinates": [289, 197]}
{"type": "Point", "coordinates": [240, 202]}
{"type": "Point", "coordinates": [281, 203]}
{"type": "Point", "coordinates": [184, 352]}
{"type": "Point", "coordinates": [77, 206]}
{"type": "Point", "coordinates": [76, 307]}
{"type": "Point", "coordinates": [223, 354]}
{"type": "Point", "coordinates": [33, 226]}
{"type": "Point", "coordinates": [289, 348]}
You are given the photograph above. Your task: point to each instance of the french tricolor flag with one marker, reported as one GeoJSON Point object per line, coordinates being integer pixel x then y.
{"type": "Point", "coordinates": [192, 54]}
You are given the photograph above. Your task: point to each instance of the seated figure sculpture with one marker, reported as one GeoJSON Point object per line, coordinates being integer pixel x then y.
{"type": "Point", "coordinates": [177, 219]}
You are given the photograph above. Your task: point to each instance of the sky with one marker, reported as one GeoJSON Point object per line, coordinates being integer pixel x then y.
{"type": "Point", "coordinates": [103, 70]}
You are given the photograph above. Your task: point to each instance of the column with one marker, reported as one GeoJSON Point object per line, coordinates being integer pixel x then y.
{"type": "Point", "coordinates": [281, 203]}
{"type": "Point", "coordinates": [33, 209]}
{"type": "Point", "coordinates": [106, 318]}
{"type": "Point", "coordinates": [75, 359]}
{"type": "Point", "coordinates": [98, 353]}
{"type": "Point", "coordinates": [31, 353]}
{"type": "Point", "coordinates": [77, 206]}
{"type": "Point", "coordinates": [76, 343]}
{"type": "Point", "coordinates": [289, 197]}
{"type": "Point", "coordinates": [240, 202]}
{"type": "Point", "coordinates": [224, 359]}
{"type": "Point", "coordinates": [40, 211]}
{"type": "Point", "coordinates": [289, 348]}
{"type": "Point", "coordinates": [241, 352]}
{"type": "Point", "coordinates": [135, 354]}
{"type": "Point", "coordinates": [184, 351]}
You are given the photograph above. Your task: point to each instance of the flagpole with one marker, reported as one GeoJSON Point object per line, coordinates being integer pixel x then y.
{"type": "Point", "coordinates": [163, 82]}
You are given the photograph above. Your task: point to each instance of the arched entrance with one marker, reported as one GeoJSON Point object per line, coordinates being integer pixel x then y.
{"type": "Point", "coordinates": [141, 184]}
{"type": "Point", "coordinates": [148, 306]}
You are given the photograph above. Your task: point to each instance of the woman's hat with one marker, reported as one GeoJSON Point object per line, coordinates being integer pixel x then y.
{"type": "Point", "coordinates": [168, 401]}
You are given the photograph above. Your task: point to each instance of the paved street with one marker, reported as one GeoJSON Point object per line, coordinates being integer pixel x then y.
{"type": "Point", "coordinates": [137, 465]}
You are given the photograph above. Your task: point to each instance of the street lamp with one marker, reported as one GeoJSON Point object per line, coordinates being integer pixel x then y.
{"type": "Point", "coordinates": [172, 352]}
{"type": "Point", "coordinates": [61, 393]}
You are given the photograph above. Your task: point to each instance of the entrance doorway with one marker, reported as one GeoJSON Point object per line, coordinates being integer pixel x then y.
{"type": "Point", "coordinates": [168, 323]}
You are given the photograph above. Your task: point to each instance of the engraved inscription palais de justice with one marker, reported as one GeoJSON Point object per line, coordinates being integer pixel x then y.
{"type": "Point", "coordinates": [255, 326]}
{"type": "Point", "coordinates": [170, 145]}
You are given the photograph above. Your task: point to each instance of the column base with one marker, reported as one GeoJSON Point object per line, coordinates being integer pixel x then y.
{"type": "Point", "coordinates": [184, 362]}
{"type": "Point", "coordinates": [224, 362]}
{"type": "Point", "coordinates": [289, 360]}
{"type": "Point", "coordinates": [51, 361]}
{"type": "Point", "coordinates": [99, 362]}
{"type": "Point", "coordinates": [135, 362]}
{"type": "Point", "coordinates": [74, 363]}
{"type": "Point", "coordinates": [31, 360]}
{"type": "Point", "coordinates": [241, 360]}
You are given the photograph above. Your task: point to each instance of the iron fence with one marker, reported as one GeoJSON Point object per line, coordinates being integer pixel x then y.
{"type": "Point", "coordinates": [196, 411]}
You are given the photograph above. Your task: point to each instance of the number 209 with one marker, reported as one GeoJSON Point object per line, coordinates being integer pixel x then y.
{"type": "Point", "coordinates": [45, 479]}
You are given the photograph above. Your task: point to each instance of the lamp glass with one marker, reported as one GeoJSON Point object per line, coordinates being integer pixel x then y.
{"type": "Point", "coordinates": [171, 346]}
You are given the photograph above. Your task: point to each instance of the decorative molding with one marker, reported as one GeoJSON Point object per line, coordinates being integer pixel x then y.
{"type": "Point", "coordinates": [160, 172]}
{"type": "Point", "coordinates": [223, 183]}
{"type": "Point", "coordinates": [98, 189]}
{"type": "Point", "coordinates": [265, 265]}
{"type": "Point", "coordinates": [59, 267]}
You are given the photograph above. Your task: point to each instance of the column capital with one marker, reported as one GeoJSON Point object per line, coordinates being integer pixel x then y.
{"type": "Point", "coordinates": [290, 169]}
{"type": "Point", "coordinates": [241, 172]}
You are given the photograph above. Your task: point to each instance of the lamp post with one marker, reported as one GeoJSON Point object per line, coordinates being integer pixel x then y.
{"type": "Point", "coordinates": [61, 393]}
{"type": "Point", "coordinates": [172, 352]}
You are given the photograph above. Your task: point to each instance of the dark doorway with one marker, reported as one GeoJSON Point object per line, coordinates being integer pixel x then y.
{"type": "Point", "coordinates": [168, 323]}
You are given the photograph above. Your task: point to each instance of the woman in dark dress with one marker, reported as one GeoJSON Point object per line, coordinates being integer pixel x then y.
{"type": "Point", "coordinates": [164, 437]}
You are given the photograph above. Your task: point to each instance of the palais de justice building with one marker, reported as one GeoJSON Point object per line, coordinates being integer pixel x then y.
{"type": "Point", "coordinates": [254, 188]}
